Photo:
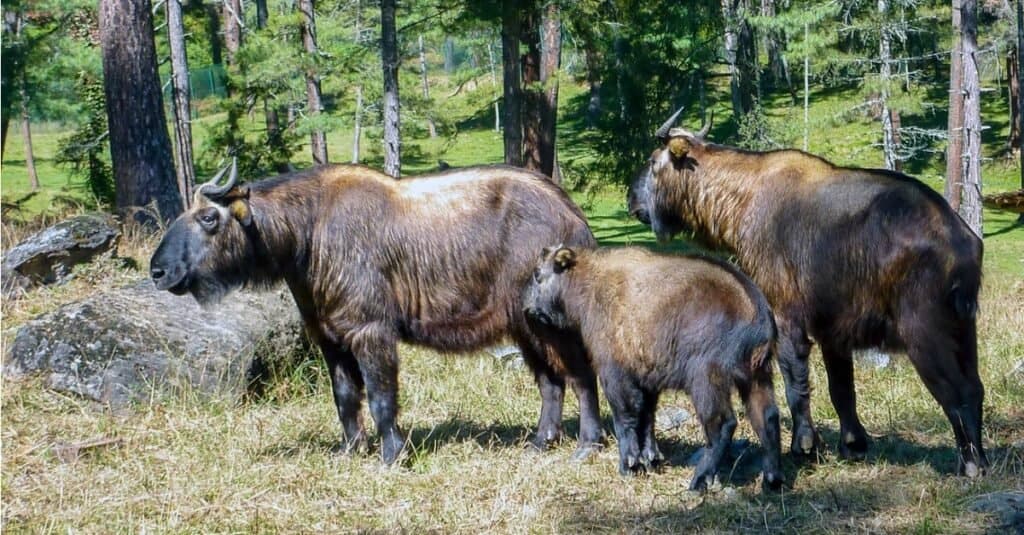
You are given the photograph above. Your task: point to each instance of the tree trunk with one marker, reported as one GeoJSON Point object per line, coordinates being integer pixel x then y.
{"type": "Point", "coordinates": [593, 61]}
{"type": "Point", "coordinates": [551, 60]}
{"type": "Point", "coordinates": [954, 148]}
{"type": "Point", "coordinates": [1020, 94]}
{"type": "Point", "coordinates": [741, 56]}
{"type": "Point", "coordinates": [357, 124]}
{"type": "Point", "coordinates": [494, 82]}
{"type": "Point", "coordinates": [275, 138]}
{"type": "Point", "coordinates": [449, 54]}
{"type": "Point", "coordinates": [392, 101]}
{"type": "Point", "coordinates": [431, 127]}
{"type": "Point", "coordinates": [262, 14]}
{"type": "Point", "coordinates": [314, 104]}
{"type": "Point", "coordinates": [213, 34]}
{"type": "Point", "coordinates": [232, 29]}
{"type": "Point", "coordinates": [774, 44]}
{"type": "Point", "coordinates": [970, 207]}
{"type": "Point", "coordinates": [1013, 83]}
{"type": "Point", "coordinates": [510, 31]}
{"type": "Point", "coordinates": [140, 149]}
{"type": "Point", "coordinates": [807, 89]}
{"type": "Point", "coordinates": [885, 58]}
{"type": "Point", "coordinates": [26, 136]}
{"type": "Point", "coordinates": [533, 95]}
{"type": "Point", "coordinates": [180, 93]}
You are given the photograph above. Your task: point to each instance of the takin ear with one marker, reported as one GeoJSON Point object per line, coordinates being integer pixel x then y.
{"type": "Point", "coordinates": [238, 204]}
{"type": "Point", "coordinates": [565, 258]}
{"type": "Point", "coordinates": [679, 147]}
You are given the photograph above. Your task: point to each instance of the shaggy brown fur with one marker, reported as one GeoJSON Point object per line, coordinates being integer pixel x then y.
{"type": "Point", "coordinates": [653, 322]}
{"type": "Point", "coordinates": [855, 258]}
{"type": "Point", "coordinates": [438, 261]}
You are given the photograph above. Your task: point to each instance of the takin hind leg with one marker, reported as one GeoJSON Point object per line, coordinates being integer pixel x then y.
{"type": "Point", "coordinates": [948, 365]}
{"type": "Point", "coordinates": [375, 350]}
{"type": "Point", "coordinates": [853, 439]}
{"type": "Point", "coordinates": [552, 397]}
{"type": "Point", "coordinates": [347, 386]}
{"type": "Point", "coordinates": [759, 397]}
{"type": "Point", "coordinates": [712, 400]}
{"type": "Point", "coordinates": [649, 453]}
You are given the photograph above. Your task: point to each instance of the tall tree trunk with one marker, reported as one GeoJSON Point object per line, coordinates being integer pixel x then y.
{"type": "Point", "coordinates": [314, 104]}
{"type": "Point", "coordinates": [26, 136]}
{"type": "Point", "coordinates": [807, 88]}
{"type": "Point", "coordinates": [392, 102]}
{"type": "Point", "coordinates": [180, 93]}
{"type": "Point", "coordinates": [970, 207]}
{"type": "Point", "coordinates": [494, 82]}
{"type": "Point", "coordinates": [954, 147]}
{"type": "Point", "coordinates": [140, 149]}
{"type": "Point", "coordinates": [551, 60]}
{"type": "Point", "coordinates": [510, 31]}
{"type": "Point", "coordinates": [774, 44]}
{"type": "Point", "coordinates": [741, 56]}
{"type": "Point", "coordinates": [262, 14]}
{"type": "Point", "coordinates": [885, 58]}
{"type": "Point", "coordinates": [533, 95]}
{"type": "Point", "coordinates": [1020, 93]}
{"type": "Point", "coordinates": [593, 61]}
{"type": "Point", "coordinates": [357, 125]}
{"type": "Point", "coordinates": [271, 115]}
{"type": "Point", "coordinates": [1013, 85]}
{"type": "Point", "coordinates": [213, 34]}
{"type": "Point", "coordinates": [232, 29]}
{"type": "Point", "coordinates": [449, 54]}
{"type": "Point", "coordinates": [431, 127]}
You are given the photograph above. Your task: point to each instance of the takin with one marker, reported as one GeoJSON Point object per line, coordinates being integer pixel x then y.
{"type": "Point", "coordinates": [653, 322]}
{"type": "Point", "coordinates": [853, 258]}
{"type": "Point", "coordinates": [439, 261]}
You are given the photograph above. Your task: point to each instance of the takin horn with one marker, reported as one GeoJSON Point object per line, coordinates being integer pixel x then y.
{"type": "Point", "coordinates": [212, 191]}
{"type": "Point", "coordinates": [662, 132]}
{"type": "Point", "coordinates": [707, 126]}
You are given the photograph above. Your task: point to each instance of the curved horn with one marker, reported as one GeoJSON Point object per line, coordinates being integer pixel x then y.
{"type": "Point", "coordinates": [212, 191]}
{"type": "Point", "coordinates": [707, 126]}
{"type": "Point", "coordinates": [662, 131]}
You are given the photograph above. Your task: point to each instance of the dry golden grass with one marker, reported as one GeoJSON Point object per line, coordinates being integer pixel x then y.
{"type": "Point", "coordinates": [195, 465]}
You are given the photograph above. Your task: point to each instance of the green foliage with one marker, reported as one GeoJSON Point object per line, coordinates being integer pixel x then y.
{"type": "Point", "coordinates": [85, 152]}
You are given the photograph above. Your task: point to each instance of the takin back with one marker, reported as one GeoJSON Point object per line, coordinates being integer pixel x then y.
{"type": "Point", "coordinates": [654, 322]}
{"type": "Point", "coordinates": [854, 258]}
{"type": "Point", "coordinates": [439, 261]}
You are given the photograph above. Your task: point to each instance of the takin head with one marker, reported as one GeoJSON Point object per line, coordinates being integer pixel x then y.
{"type": "Point", "coordinates": [542, 297]}
{"type": "Point", "coordinates": [205, 250]}
{"type": "Point", "coordinates": [640, 199]}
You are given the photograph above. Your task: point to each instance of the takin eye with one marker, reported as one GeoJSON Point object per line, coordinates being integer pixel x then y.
{"type": "Point", "coordinates": [208, 219]}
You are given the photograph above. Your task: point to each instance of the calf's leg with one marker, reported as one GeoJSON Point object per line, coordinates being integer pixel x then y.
{"type": "Point", "coordinates": [759, 397]}
{"type": "Point", "coordinates": [626, 399]}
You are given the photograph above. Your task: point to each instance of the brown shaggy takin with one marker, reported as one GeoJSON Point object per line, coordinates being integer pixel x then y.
{"type": "Point", "coordinates": [439, 261]}
{"type": "Point", "coordinates": [854, 258]}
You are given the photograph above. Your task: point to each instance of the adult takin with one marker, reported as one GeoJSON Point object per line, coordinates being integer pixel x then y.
{"type": "Point", "coordinates": [438, 261]}
{"type": "Point", "coordinates": [653, 322]}
{"type": "Point", "coordinates": [854, 258]}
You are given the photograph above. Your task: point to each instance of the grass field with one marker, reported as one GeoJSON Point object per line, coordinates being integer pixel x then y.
{"type": "Point", "coordinates": [196, 465]}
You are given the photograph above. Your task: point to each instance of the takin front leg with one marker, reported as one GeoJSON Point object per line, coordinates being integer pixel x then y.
{"type": "Point", "coordinates": [650, 455]}
{"type": "Point", "coordinates": [794, 350]}
{"type": "Point", "coordinates": [347, 386]}
{"type": "Point", "coordinates": [591, 439]}
{"type": "Point", "coordinates": [552, 397]}
{"type": "Point", "coordinates": [375, 350]}
{"type": "Point", "coordinates": [853, 439]}
{"type": "Point", "coordinates": [627, 400]}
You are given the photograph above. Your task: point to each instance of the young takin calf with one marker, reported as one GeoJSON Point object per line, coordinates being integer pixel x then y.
{"type": "Point", "coordinates": [854, 258]}
{"type": "Point", "coordinates": [652, 322]}
{"type": "Point", "coordinates": [438, 261]}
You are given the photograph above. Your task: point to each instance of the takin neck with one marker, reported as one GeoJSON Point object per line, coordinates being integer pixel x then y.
{"type": "Point", "coordinates": [280, 234]}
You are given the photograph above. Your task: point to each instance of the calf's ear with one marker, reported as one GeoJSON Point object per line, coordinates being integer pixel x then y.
{"type": "Point", "coordinates": [565, 258]}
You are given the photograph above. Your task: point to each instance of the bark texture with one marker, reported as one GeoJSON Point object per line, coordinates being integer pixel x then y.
{"type": "Point", "coordinates": [180, 94]}
{"type": "Point", "coordinates": [314, 102]}
{"type": "Point", "coordinates": [392, 101]}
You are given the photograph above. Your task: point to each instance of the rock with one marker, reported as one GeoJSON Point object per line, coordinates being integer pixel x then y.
{"type": "Point", "coordinates": [48, 256]}
{"type": "Point", "coordinates": [1006, 507]}
{"type": "Point", "coordinates": [508, 354]}
{"type": "Point", "coordinates": [129, 343]}
{"type": "Point", "coordinates": [669, 418]}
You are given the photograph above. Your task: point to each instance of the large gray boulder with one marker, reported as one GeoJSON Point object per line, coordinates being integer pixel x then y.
{"type": "Point", "coordinates": [129, 343]}
{"type": "Point", "coordinates": [49, 255]}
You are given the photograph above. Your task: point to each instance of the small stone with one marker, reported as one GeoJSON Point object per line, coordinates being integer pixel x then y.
{"type": "Point", "coordinates": [669, 418]}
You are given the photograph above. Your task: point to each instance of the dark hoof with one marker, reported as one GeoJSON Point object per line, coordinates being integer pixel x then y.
{"type": "Point", "coordinates": [805, 443]}
{"type": "Point", "coordinates": [702, 483]}
{"type": "Point", "coordinates": [585, 451]}
{"type": "Point", "coordinates": [631, 466]}
{"type": "Point", "coordinates": [853, 447]}
{"type": "Point", "coordinates": [773, 481]}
